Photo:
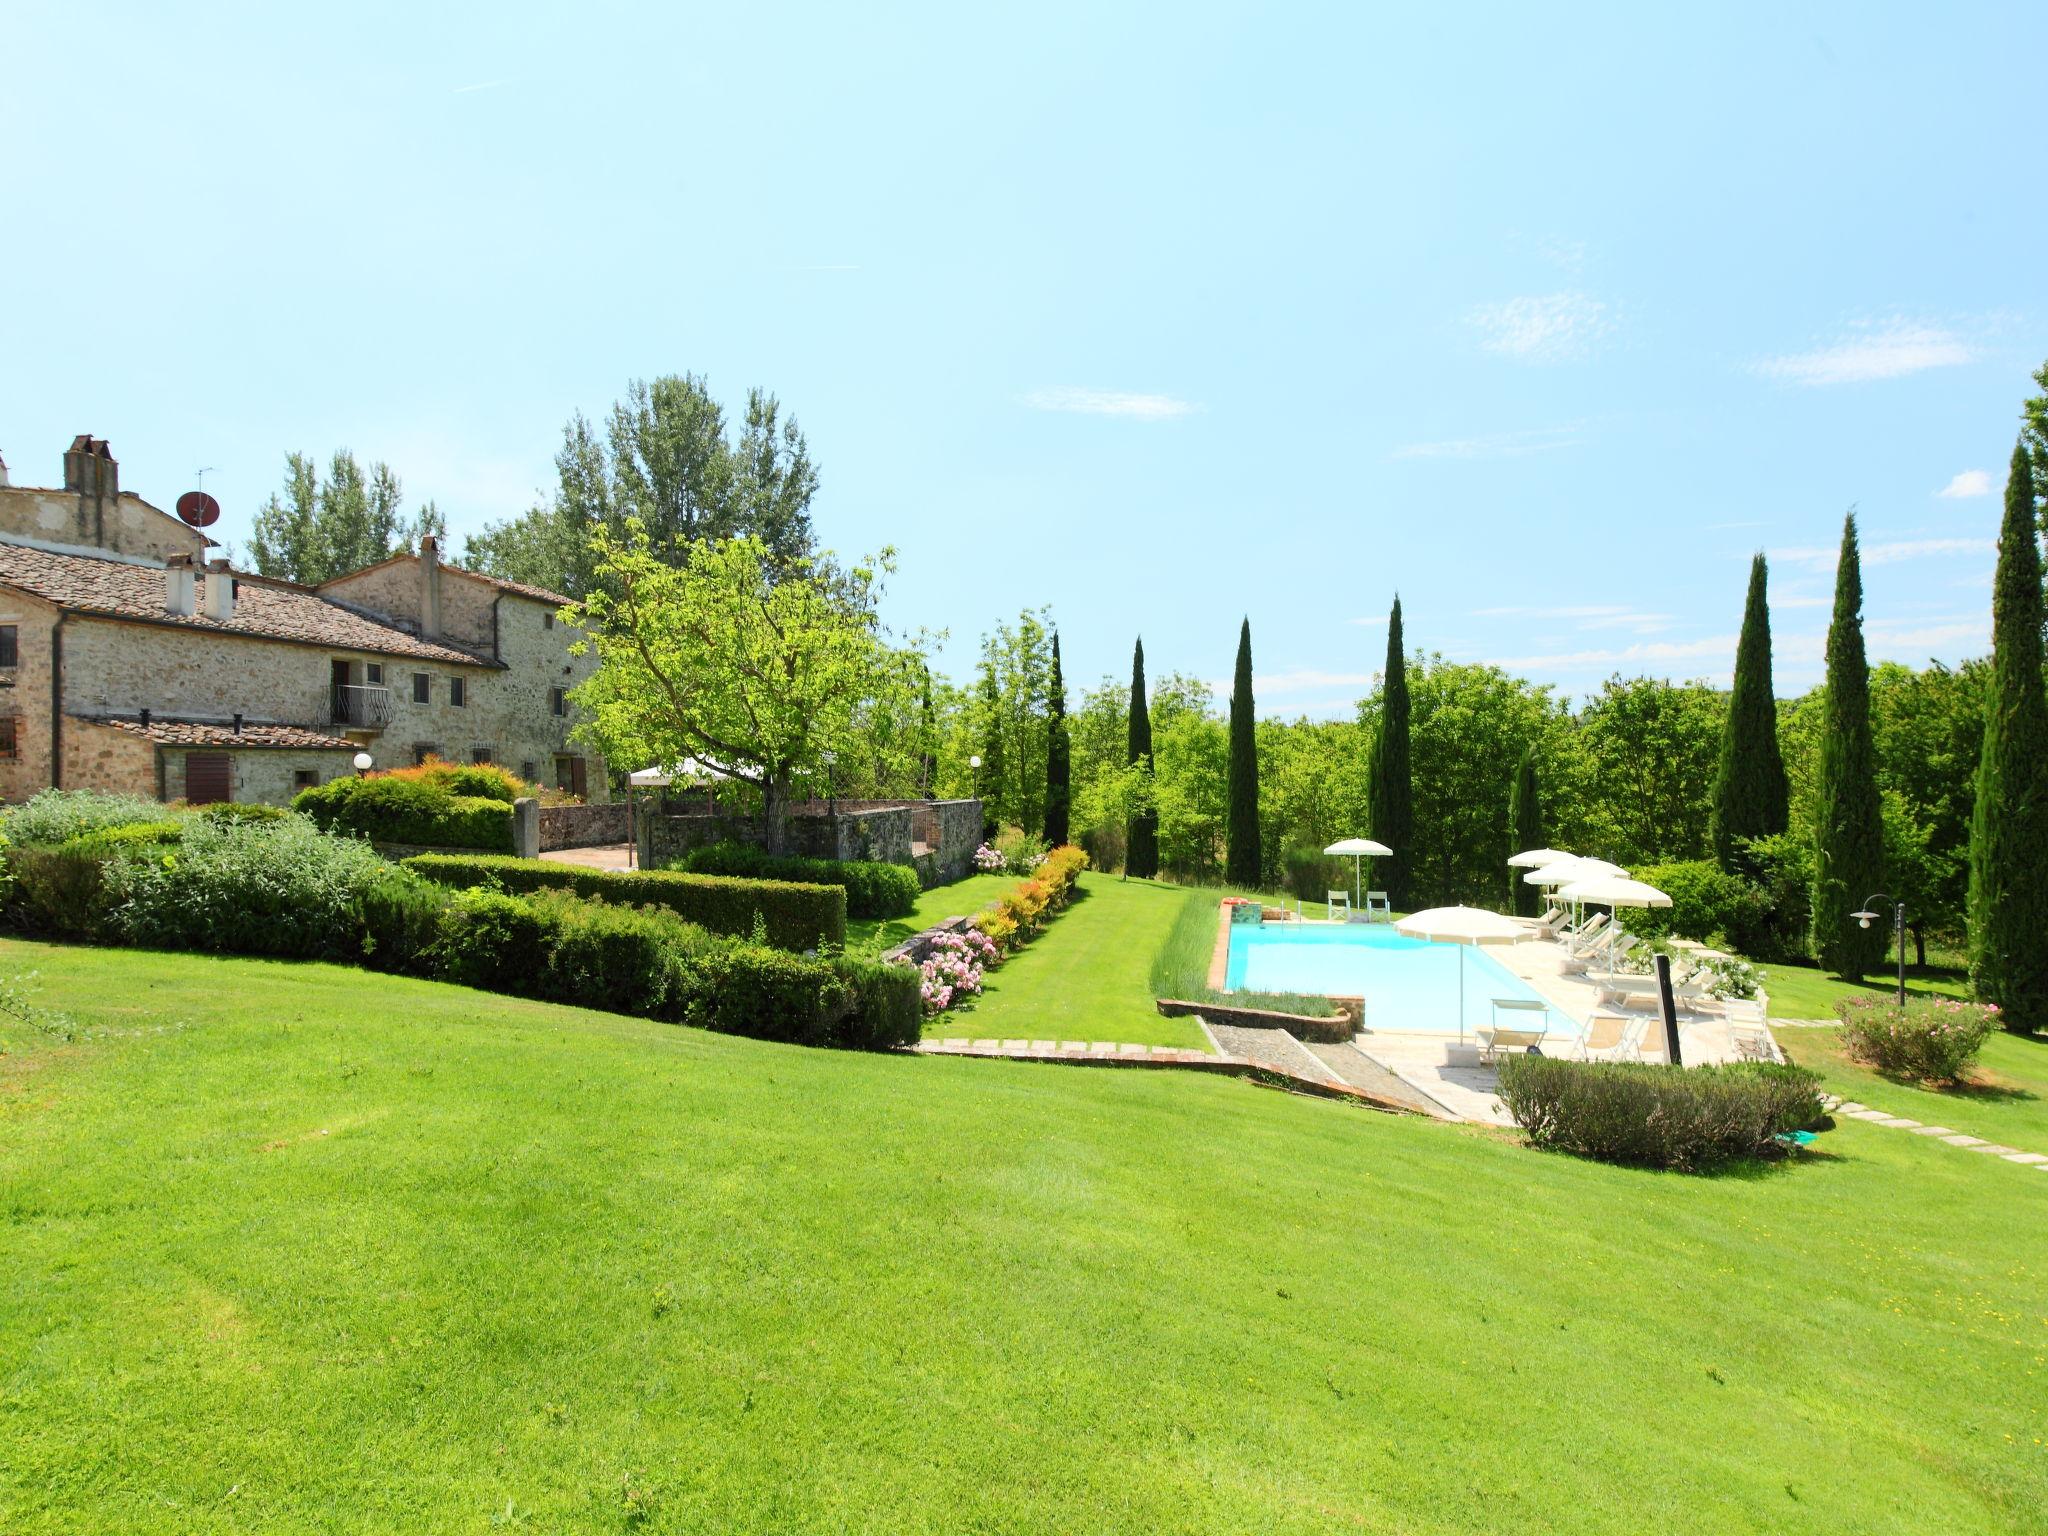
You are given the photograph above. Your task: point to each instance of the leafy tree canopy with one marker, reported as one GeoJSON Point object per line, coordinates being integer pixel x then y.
{"type": "Point", "coordinates": [315, 529]}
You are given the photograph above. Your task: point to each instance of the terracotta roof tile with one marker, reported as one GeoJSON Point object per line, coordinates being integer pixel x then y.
{"type": "Point", "coordinates": [211, 733]}
{"type": "Point", "coordinates": [88, 585]}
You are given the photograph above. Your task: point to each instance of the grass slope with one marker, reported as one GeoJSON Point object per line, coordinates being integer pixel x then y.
{"type": "Point", "coordinates": [1808, 992]}
{"type": "Point", "coordinates": [872, 935]}
{"type": "Point", "coordinates": [1088, 976]}
{"type": "Point", "coordinates": [2005, 1100]}
{"type": "Point", "coordinates": [295, 1248]}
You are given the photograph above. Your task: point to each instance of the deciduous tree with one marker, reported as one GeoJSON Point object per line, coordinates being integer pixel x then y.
{"type": "Point", "coordinates": [319, 529]}
{"type": "Point", "coordinates": [733, 657]}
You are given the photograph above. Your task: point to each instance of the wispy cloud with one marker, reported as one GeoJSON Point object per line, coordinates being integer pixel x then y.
{"type": "Point", "coordinates": [1816, 558]}
{"type": "Point", "coordinates": [1543, 328]}
{"type": "Point", "coordinates": [1586, 616]}
{"type": "Point", "coordinates": [1496, 445]}
{"type": "Point", "coordinates": [1109, 402]}
{"type": "Point", "coordinates": [481, 85]}
{"type": "Point", "coordinates": [1651, 653]}
{"type": "Point", "coordinates": [1968, 482]}
{"type": "Point", "coordinates": [1870, 350]}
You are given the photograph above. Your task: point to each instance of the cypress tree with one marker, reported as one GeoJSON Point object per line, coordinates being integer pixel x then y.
{"type": "Point", "coordinates": [994, 787]}
{"type": "Point", "coordinates": [1848, 861]}
{"type": "Point", "coordinates": [1393, 804]}
{"type": "Point", "coordinates": [1751, 797]}
{"type": "Point", "coordinates": [1241, 864]}
{"type": "Point", "coordinates": [2009, 825]}
{"type": "Point", "coordinates": [1141, 841]}
{"type": "Point", "coordinates": [1059, 792]}
{"type": "Point", "coordinates": [1525, 815]}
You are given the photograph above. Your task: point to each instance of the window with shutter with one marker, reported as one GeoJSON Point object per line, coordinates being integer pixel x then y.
{"type": "Point", "coordinates": [209, 778]}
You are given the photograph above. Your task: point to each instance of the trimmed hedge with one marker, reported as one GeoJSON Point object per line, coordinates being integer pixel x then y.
{"type": "Point", "coordinates": [1658, 1116]}
{"type": "Point", "coordinates": [648, 961]}
{"type": "Point", "coordinates": [412, 806]}
{"type": "Point", "coordinates": [795, 916]}
{"type": "Point", "coordinates": [873, 889]}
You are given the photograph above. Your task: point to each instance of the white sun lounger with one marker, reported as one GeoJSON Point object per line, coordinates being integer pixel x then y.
{"type": "Point", "coordinates": [1612, 1035]}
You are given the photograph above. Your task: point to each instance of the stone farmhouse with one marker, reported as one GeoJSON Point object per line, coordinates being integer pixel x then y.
{"type": "Point", "coordinates": [130, 661]}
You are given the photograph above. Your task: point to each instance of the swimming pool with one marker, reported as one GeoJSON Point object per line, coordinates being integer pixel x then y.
{"type": "Point", "coordinates": [1409, 985]}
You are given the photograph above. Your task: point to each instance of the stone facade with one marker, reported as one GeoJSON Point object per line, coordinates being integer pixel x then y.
{"type": "Point", "coordinates": [186, 660]}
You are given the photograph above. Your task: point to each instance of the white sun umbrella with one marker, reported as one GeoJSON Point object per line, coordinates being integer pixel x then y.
{"type": "Point", "coordinates": [1461, 925]}
{"type": "Point", "coordinates": [1359, 849]}
{"type": "Point", "coordinates": [1613, 891]}
{"type": "Point", "coordinates": [1536, 858]}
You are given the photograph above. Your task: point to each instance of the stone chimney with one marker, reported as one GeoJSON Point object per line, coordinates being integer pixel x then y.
{"type": "Point", "coordinates": [90, 468]}
{"type": "Point", "coordinates": [430, 587]}
{"type": "Point", "coordinates": [178, 586]}
{"type": "Point", "coordinates": [220, 591]}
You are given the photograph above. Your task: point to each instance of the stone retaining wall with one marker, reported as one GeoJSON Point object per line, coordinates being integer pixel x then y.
{"type": "Point", "coordinates": [936, 838]}
{"type": "Point", "coordinates": [583, 826]}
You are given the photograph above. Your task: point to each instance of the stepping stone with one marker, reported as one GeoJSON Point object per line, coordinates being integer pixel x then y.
{"type": "Point", "coordinates": [1072, 1047]}
{"type": "Point", "coordinates": [2025, 1157]}
{"type": "Point", "coordinates": [1042, 1047]}
{"type": "Point", "coordinates": [1994, 1149]}
{"type": "Point", "coordinates": [1868, 1114]}
{"type": "Point", "coordinates": [1848, 1106]}
{"type": "Point", "coordinates": [1964, 1141]}
{"type": "Point", "coordinates": [1101, 1047]}
{"type": "Point", "coordinates": [1133, 1050]}
{"type": "Point", "coordinates": [1898, 1124]}
{"type": "Point", "coordinates": [988, 1045]}
{"type": "Point", "coordinates": [1016, 1045]}
{"type": "Point", "coordinates": [1932, 1130]}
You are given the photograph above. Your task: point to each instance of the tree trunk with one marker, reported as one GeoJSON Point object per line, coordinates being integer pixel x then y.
{"type": "Point", "coordinates": [775, 810]}
{"type": "Point", "coordinates": [1920, 945]}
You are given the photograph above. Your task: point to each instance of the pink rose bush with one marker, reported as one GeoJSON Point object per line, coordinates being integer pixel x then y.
{"type": "Point", "coordinates": [1931, 1039]}
{"type": "Point", "coordinates": [954, 968]}
{"type": "Point", "coordinates": [990, 860]}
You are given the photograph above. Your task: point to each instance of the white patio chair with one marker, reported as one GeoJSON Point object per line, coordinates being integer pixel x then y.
{"type": "Point", "coordinates": [1514, 1035]}
{"type": "Point", "coordinates": [1377, 909]}
{"type": "Point", "coordinates": [1612, 1035]}
{"type": "Point", "coordinates": [1340, 899]}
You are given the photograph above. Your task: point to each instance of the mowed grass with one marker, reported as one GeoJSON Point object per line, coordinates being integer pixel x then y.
{"type": "Point", "coordinates": [1088, 976]}
{"type": "Point", "coordinates": [1808, 992]}
{"type": "Point", "coordinates": [296, 1248]}
{"type": "Point", "coordinates": [870, 935]}
{"type": "Point", "coordinates": [2005, 1098]}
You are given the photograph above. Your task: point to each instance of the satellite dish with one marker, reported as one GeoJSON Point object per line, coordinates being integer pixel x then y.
{"type": "Point", "coordinates": [198, 509]}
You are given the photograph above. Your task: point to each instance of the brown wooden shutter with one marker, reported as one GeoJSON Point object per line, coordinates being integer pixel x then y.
{"type": "Point", "coordinates": [209, 778]}
{"type": "Point", "coordinates": [578, 782]}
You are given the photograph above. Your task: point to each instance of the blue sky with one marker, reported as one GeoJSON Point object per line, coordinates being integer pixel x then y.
{"type": "Point", "coordinates": [1158, 315]}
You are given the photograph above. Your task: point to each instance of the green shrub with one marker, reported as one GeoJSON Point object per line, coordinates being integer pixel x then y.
{"type": "Point", "coordinates": [1779, 926]}
{"type": "Point", "coordinates": [1931, 1039]}
{"type": "Point", "coordinates": [56, 816]}
{"type": "Point", "coordinates": [1311, 874]}
{"type": "Point", "coordinates": [403, 807]}
{"type": "Point", "coordinates": [885, 1008]}
{"type": "Point", "coordinates": [873, 889]}
{"type": "Point", "coordinates": [237, 810]}
{"type": "Point", "coordinates": [1706, 902]}
{"type": "Point", "coordinates": [1659, 1116]}
{"type": "Point", "coordinates": [257, 888]}
{"type": "Point", "coordinates": [796, 916]}
{"type": "Point", "coordinates": [58, 891]}
{"type": "Point", "coordinates": [476, 781]}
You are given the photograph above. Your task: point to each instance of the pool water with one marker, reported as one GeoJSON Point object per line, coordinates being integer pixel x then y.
{"type": "Point", "coordinates": [1409, 985]}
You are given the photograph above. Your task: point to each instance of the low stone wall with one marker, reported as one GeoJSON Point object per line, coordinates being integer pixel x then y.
{"type": "Point", "coordinates": [936, 838]}
{"type": "Point", "coordinates": [583, 826]}
{"type": "Point", "coordinates": [916, 949]}
{"type": "Point", "coordinates": [1333, 1031]}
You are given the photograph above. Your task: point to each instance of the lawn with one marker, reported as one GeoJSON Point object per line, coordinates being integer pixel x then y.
{"type": "Point", "coordinates": [1808, 992]}
{"type": "Point", "coordinates": [870, 935]}
{"type": "Point", "coordinates": [297, 1248]}
{"type": "Point", "coordinates": [2005, 1100]}
{"type": "Point", "coordinates": [1088, 976]}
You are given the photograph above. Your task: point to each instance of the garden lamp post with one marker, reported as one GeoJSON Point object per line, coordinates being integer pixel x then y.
{"type": "Point", "coordinates": [1868, 916]}
{"type": "Point", "coordinates": [363, 760]}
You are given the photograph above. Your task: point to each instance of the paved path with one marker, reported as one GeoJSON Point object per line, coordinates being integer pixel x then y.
{"type": "Point", "coordinates": [1355, 1067]}
{"type": "Point", "coordinates": [1274, 1047]}
{"type": "Point", "coordinates": [1849, 1109]}
{"type": "Point", "coordinates": [607, 856]}
{"type": "Point", "coordinates": [1112, 1053]}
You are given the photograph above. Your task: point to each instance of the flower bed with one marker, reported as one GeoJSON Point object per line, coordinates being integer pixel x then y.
{"type": "Point", "coordinates": [1931, 1039]}
{"type": "Point", "coordinates": [955, 962]}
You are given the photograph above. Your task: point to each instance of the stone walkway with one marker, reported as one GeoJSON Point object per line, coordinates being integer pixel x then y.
{"type": "Point", "coordinates": [1274, 1047]}
{"type": "Point", "coordinates": [1309, 1077]}
{"type": "Point", "coordinates": [604, 856]}
{"type": "Point", "coordinates": [1849, 1109]}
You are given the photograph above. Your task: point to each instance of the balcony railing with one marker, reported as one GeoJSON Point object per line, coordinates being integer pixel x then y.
{"type": "Point", "coordinates": [362, 709]}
